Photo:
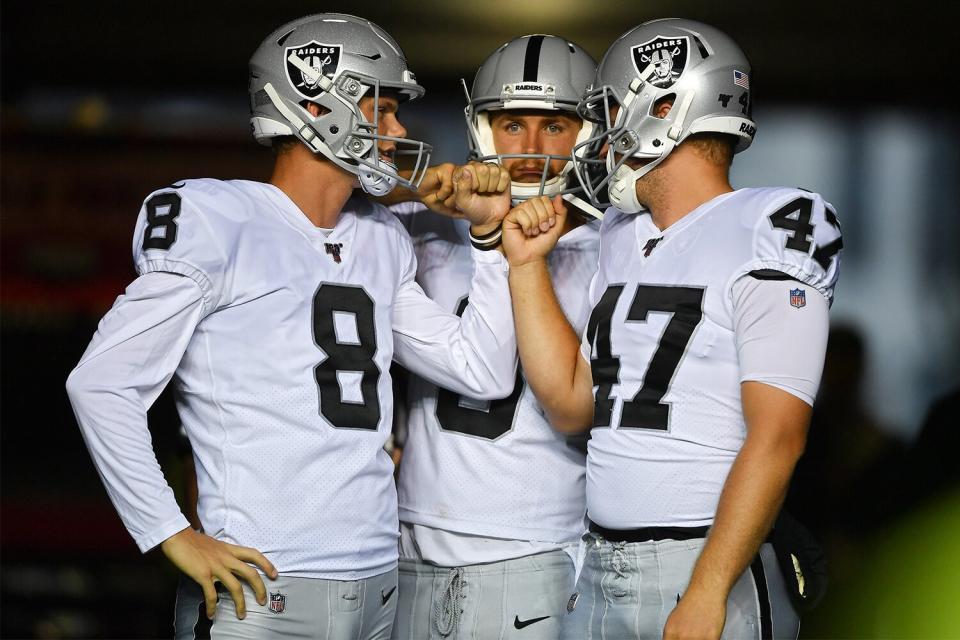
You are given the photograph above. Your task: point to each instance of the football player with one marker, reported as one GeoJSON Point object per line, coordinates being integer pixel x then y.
{"type": "Point", "coordinates": [491, 497]}
{"type": "Point", "coordinates": [703, 352]}
{"type": "Point", "coordinates": [276, 309]}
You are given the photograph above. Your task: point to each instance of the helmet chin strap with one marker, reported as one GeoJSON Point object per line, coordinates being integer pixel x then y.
{"type": "Point", "coordinates": [622, 189]}
{"type": "Point", "coordinates": [521, 191]}
{"type": "Point", "coordinates": [375, 183]}
{"type": "Point", "coordinates": [623, 183]}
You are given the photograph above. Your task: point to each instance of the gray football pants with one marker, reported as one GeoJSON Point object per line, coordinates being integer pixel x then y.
{"type": "Point", "coordinates": [296, 608]}
{"type": "Point", "coordinates": [520, 598]}
{"type": "Point", "coordinates": [626, 590]}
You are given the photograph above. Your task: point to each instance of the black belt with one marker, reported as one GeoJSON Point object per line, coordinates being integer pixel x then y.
{"type": "Point", "coordinates": [648, 534]}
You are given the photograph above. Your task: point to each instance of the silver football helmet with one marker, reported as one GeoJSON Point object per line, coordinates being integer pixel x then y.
{"type": "Point", "coordinates": [530, 72]}
{"type": "Point", "coordinates": [699, 67]}
{"type": "Point", "coordinates": [334, 60]}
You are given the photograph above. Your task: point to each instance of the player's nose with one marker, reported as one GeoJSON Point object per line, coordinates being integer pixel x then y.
{"type": "Point", "coordinates": [531, 142]}
{"type": "Point", "coordinates": [394, 127]}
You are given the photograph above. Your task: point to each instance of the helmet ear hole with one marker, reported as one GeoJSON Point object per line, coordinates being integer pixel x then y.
{"type": "Point", "coordinates": [319, 108]}
{"type": "Point", "coordinates": [661, 107]}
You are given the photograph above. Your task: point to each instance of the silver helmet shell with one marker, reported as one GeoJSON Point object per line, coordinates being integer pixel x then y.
{"type": "Point", "coordinates": [334, 60]}
{"type": "Point", "coordinates": [535, 71]}
{"type": "Point", "coordinates": [699, 67]}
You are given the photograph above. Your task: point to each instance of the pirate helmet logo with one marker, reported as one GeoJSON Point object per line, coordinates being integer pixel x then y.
{"type": "Point", "coordinates": [661, 61]}
{"type": "Point", "coordinates": [308, 63]}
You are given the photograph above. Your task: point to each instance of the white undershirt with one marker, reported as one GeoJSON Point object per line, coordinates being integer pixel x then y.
{"type": "Point", "coordinates": [456, 549]}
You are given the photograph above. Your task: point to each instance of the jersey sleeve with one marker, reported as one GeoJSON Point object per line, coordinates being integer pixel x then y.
{"type": "Point", "coordinates": [174, 234]}
{"type": "Point", "coordinates": [134, 353]}
{"type": "Point", "coordinates": [797, 233]}
{"type": "Point", "coordinates": [781, 334]}
{"type": "Point", "coordinates": [473, 355]}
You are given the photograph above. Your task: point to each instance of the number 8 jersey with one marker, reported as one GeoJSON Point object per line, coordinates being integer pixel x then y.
{"type": "Point", "coordinates": [664, 349]}
{"type": "Point", "coordinates": [278, 336]}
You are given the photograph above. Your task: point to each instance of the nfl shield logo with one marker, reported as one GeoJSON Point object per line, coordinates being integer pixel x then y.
{"type": "Point", "coordinates": [278, 602]}
{"type": "Point", "coordinates": [316, 60]}
{"type": "Point", "coordinates": [798, 298]}
{"type": "Point", "coordinates": [661, 61]}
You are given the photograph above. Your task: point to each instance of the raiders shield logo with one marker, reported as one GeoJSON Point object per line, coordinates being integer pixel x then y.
{"type": "Point", "coordinates": [661, 61]}
{"type": "Point", "coordinates": [307, 63]}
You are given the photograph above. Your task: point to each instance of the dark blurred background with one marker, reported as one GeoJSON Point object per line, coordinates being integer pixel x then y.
{"type": "Point", "coordinates": [103, 101]}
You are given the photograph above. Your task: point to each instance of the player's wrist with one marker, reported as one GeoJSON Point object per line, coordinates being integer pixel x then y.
{"type": "Point", "coordinates": [714, 591]}
{"type": "Point", "coordinates": [486, 236]}
{"type": "Point", "coordinates": [527, 267]}
{"type": "Point", "coordinates": [180, 537]}
{"type": "Point", "coordinates": [483, 216]}
{"type": "Point", "coordinates": [482, 221]}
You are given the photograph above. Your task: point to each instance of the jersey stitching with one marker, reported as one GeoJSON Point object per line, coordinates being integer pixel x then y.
{"type": "Point", "coordinates": [208, 353]}
{"type": "Point", "coordinates": [184, 269]}
{"type": "Point", "coordinates": [795, 272]}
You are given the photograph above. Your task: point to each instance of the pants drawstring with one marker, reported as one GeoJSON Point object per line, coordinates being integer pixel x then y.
{"type": "Point", "coordinates": [446, 612]}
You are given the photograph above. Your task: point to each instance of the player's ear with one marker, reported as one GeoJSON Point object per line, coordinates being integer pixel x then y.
{"type": "Point", "coordinates": [663, 106]}
{"type": "Point", "coordinates": [315, 109]}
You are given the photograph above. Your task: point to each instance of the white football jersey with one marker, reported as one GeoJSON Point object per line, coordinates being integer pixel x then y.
{"type": "Point", "coordinates": [283, 387]}
{"type": "Point", "coordinates": [495, 469]}
{"type": "Point", "coordinates": [668, 421]}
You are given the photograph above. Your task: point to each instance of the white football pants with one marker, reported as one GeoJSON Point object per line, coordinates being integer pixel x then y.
{"type": "Point", "coordinates": [522, 598]}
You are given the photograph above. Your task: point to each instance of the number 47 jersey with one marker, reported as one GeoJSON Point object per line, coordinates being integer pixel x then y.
{"type": "Point", "coordinates": [662, 341]}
